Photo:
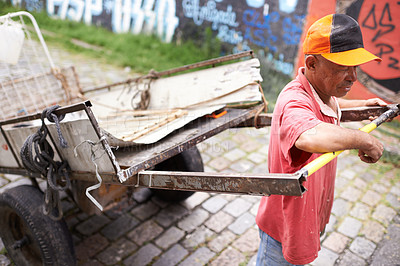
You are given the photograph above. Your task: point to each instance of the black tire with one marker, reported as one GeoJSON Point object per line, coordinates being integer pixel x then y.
{"type": "Point", "coordinates": [188, 161]}
{"type": "Point", "coordinates": [48, 242]}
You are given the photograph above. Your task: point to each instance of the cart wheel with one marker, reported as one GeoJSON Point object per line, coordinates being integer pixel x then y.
{"type": "Point", "coordinates": [31, 237]}
{"type": "Point", "coordinates": [189, 161]}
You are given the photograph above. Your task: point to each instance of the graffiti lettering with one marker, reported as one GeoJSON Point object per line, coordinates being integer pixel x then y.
{"type": "Point", "coordinates": [384, 26]}
{"type": "Point", "coordinates": [92, 8]}
{"type": "Point", "coordinates": [75, 9]}
{"type": "Point", "coordinates": [388, 49]}
{"type": "Point", "coordinates": [135, 15]}
{"type": "Point", "coordinates": [292, 30]}
{"type": "Point", "coordinates": [280, 64]}
{"type": "Point", "coordinates": [210, 13]}
{"type": "Point", "coordinates": [71, 9]}
{"type": "Point", "coordinates": [251, 18]}
{"type": "Point", "coordinates": [394, 63]}
{"type": "Point", "coordinates": [384, 16]}
{"type": "Point", "coordinates": [255, 3]}
{"type": "Point", "coordinates": [277, 63]}
{"type": "Point", "coordinates": [229, 35]}
{"type": "Point", "coordinates": [241, 47]}
{"type": "Point", "coordinates": [287, 6]}
{"type": "Point", "coordinates": [34, 5]}
{"type": "Point", "coordinates": [257, 35]}
{"type": "Point", "coordinates": [379, 21]}
{"type": "Point", "coordinates": [384, 49]}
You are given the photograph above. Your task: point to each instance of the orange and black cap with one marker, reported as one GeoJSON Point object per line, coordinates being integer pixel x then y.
{"type": "Point", "coordinates": [338, 38]}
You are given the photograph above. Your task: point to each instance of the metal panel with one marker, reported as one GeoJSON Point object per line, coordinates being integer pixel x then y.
{"type": "Point", "coordinates": [6, 156]}
{"type": "Point", "coordinates": [276, 184]}
{"type": "Point", "coordinates": [76, 132]}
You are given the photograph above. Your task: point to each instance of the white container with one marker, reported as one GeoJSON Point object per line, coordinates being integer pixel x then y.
{"type": "Point", "coordinates": [11, 41]}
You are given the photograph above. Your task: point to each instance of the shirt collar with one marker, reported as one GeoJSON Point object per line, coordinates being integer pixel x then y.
{"type": "Point", "coordinates": [325, 109]}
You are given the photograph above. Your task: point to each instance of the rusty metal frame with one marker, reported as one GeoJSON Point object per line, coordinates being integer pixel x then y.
{"type": "Point", "coordinates": [348, 115]}
{"type": "Point", "coordinates": [138, 173]}
{"type": "Point", "coordinates": [249, 184]}
{"type": "Point", "coordinates": [82, 106]}
{"type": "Point", "coordinates": [26, 118]}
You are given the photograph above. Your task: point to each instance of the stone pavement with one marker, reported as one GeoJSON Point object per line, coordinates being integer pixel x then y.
{"type": "Point", "coordinates": [220, 229]}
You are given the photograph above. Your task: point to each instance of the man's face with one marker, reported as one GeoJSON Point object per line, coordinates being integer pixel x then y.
{"type": "Point", "coordinates": [332, 79]}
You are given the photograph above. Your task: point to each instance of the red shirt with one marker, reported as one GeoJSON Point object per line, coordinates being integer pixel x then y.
{"type": "Point", "coordinates": [296, 222]}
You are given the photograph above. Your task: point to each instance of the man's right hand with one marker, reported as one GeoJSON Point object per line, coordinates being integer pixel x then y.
{"type": "Point", "coordinates": [373, 150]}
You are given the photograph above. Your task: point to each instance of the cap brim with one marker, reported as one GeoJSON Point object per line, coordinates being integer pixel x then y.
{"type": "Point", "coordinates": [353, 57]}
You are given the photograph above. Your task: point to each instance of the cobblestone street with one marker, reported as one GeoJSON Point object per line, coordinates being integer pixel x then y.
{"type": "Point", "coordinates": [220, 229]}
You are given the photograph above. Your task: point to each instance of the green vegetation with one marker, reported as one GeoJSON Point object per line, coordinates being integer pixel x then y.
{"type": "Point", "coordinates": [391, 158]}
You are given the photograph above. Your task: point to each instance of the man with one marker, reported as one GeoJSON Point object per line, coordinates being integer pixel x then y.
{"type": "Point", "coordinates": [305, 124]}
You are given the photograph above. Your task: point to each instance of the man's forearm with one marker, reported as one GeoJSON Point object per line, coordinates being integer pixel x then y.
{"type": "Point", "coordinates": [328, 138]}
{"type": "Point", "coordinates": [345, 103]}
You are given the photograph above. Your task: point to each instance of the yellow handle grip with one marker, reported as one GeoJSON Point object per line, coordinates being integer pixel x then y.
{"type": "Point", "coordinates": [325, 158]}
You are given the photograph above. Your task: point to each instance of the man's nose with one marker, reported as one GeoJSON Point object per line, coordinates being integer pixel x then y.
{"type": "Point", "coordinates": [352, 74]}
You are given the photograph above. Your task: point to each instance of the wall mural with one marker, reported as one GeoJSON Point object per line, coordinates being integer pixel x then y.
{"type": "Point", "coordinates": [272, 28]}
{"type": "Point", "coordinates": [379, 22]}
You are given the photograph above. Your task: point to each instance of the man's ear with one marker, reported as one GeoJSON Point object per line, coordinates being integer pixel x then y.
{"type": "Point", "coordinates": [310, 62]}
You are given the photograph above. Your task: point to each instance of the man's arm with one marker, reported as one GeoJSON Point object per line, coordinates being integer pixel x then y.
{"type": "Point", "coordinates": [327, 137]}
{"type": "Point", "coordinates": [344, 103]}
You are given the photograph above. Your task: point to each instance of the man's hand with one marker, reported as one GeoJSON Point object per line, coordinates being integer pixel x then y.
{"type": "Point", "coordinates": [371, 150]}
{"type": "Point", "coordinates": [345, 103]}
{"type": "Point", "coordinates": [375, 102]}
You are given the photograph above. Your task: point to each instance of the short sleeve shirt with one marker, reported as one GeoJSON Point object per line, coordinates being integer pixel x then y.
{"type": "Point", "coordinates": [296, 222]}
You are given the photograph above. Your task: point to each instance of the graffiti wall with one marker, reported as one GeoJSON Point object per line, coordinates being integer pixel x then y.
{"type": "Point", "coordinates": [380, 24]}
{"type": "Point", "coordinates": [272, 28]}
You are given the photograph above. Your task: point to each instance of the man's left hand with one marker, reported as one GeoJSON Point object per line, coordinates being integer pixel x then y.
{"type": "Point", "coordinates": [375, 102]}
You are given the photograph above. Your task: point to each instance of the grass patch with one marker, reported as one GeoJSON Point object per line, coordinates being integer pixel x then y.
{"type": "Point", "coordinates": [391, 158]}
